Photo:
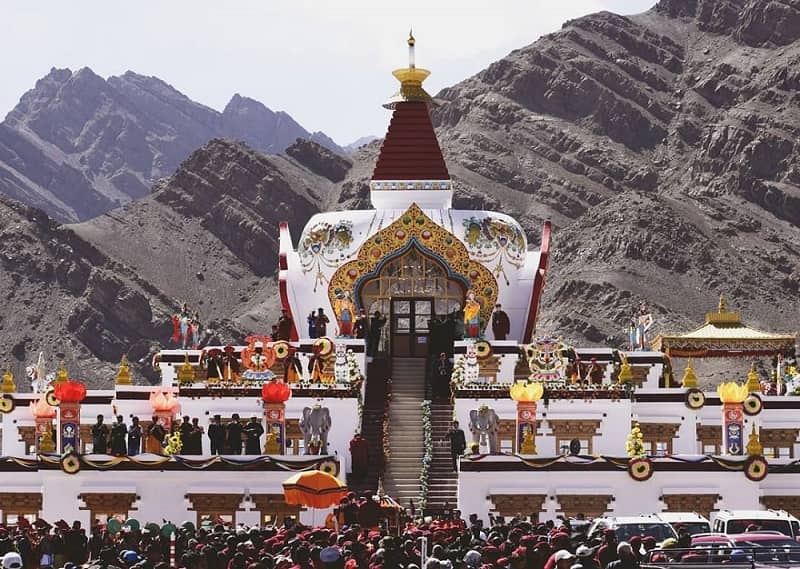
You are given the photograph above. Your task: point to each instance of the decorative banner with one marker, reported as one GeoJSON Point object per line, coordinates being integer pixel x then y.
{"type": "Point", "coordinates": [640, 468]}
{"type": "Point", "coordinates": [695, 399]}
{"type": "Point", "coordinates": [752, 405]}
{"type": "Point", "coordinates": [732, 429]}
{"type": "Point", "coordinates": [69, 424]}
{"type": "Point", "coordinates": [526, 427]}
{"type": "Point", "coordinates": [756, 468]}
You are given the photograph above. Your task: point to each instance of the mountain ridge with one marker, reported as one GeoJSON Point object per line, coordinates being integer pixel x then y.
{"type": "Point", "coordinates": [78, 145]}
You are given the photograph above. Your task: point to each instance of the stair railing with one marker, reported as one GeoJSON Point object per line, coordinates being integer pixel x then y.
{"type": "Point", "coordinates": [427, 456]}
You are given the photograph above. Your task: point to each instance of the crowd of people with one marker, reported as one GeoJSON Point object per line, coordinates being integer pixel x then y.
{"type": "Point", "coordinates": [232, 437]}
{"type": "Point", "coordinates": [358, 539]}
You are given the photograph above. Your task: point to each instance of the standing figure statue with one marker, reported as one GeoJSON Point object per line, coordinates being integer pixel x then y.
{"type": "Point", "coordinates": [315, 424]}
{"type": "Point", "coordinates": [185, 327]}
{"type": "Point", "coordinates": [37, 374]}
{"type": "Point", "coordinates": [484, 426]}
{"type": "Point", "coordinates": [345, 311]}
{"type": "Point", "coordinates": [472, 315]}
{"type": "Point", "coordinates": [644, 321]}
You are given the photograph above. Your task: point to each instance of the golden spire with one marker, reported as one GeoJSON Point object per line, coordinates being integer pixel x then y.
{"type": "Point", "coordinates": [61, 374]}
{"type": "Point", "coordinates": [753, 383]}
{"type": "Point", "coordinates": [8, 385]}
{"type": "Point", "coordinates": [722, 315]}
{"type": "Point", "coordinates": [124, 373]}
{"type": "Point", "coordinates": [753, 447]}
{"type": "Point", "coordinates": [689, 377]}
{"type": "Point", "coordinates": [411, 79]}
{"type": "Point", "coordinates": [186, 371]}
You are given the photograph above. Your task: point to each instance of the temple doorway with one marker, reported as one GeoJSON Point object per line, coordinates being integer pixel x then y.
{"type": "Point", "coordinates": [410, 291]}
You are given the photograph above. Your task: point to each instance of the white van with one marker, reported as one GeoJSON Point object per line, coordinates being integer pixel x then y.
{"type": "Point", "coordinates": [627, 527]}
{"type": "Point", "coordinates": [692, 522]}
{"type": "Point", "coordinates": [737, 521]}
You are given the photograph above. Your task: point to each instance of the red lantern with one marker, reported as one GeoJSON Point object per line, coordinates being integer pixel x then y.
{"type": "Point", "coordinates": [70, 391]}
{"type": "Point", "coordinates": [275, 392]}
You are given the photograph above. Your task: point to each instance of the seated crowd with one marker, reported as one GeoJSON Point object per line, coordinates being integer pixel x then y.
{"type": "Point", "coordinates": [360, 542]}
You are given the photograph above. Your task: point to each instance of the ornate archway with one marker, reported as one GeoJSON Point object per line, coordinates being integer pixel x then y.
{"type": "Point", "coordinates": [415, 230]}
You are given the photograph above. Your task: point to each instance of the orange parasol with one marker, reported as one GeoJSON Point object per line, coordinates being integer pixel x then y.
{"type": "Point", "coordinates": [314, 489]}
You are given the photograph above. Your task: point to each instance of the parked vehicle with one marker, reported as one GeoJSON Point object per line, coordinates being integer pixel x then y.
{"type": "Point", "coordinates": [628, 526]}
{"type": "Point", "coordinates": [740, 521]}
{"type": "Point", "coordinates": [692, 522]}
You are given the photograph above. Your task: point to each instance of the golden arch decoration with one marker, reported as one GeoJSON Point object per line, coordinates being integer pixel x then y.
{"type": "Point", "coordinates": [414, 228]}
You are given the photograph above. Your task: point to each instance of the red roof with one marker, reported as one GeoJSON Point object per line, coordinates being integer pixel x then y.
{"type": "Point", "coordinates": [410, 150]}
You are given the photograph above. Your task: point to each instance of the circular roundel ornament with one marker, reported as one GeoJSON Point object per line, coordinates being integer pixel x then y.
{"type": "Point", "coordinates": [281, 349]}
{"type": "Point", "coordinates": [483, 349]}
{"type": "Point", "coordinates": [70, 463]}
{"type": "Point", "coordinates": [6, 404]}
{"type": "Point", "coordinates": [640, 469]}
{"type": "Point", "coordinates": [752, 405]}
{"type": "Point", "coordinates": [695, 399]}
{"type": "Point", "coordinates": [323, 346]}
{"type": "Point", "coordinates": [329, 467]}
{"type": "Point", "coordinates": [756, 468]}
{"type": "Point", "coordinates": [50, 397]}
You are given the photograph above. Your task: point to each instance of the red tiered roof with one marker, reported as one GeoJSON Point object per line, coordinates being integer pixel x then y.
{"type": "Point", "coordinates": [410, 150]}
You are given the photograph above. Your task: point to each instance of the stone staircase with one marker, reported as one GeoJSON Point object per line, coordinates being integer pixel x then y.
{"type": "Point", "coordinates": [442, 480]}
{"type": "Point", "coordinates": [401, 478]}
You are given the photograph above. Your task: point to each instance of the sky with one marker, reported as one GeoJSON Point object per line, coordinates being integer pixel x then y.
{"type": "Point", "coordinates": [328, 64]}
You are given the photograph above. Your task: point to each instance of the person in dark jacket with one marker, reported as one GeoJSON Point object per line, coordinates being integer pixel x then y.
{"type": "Point", "coordinates": [119, 434]}
{"type": "Point", "coordinates": [458, 443]}
{"type": "Point", "coordinates": [234, 431]}
{"type": "Point", "coordinates": [134, 437]}
{"type": "Point", "coordinates": [186, 435]}
{"type": "Point", "coordinates": [501, 325]}
{"type": "Point", "coordinates": [285, 323]}
{"type": "Point", "coordinates": [99, 436]}
{"type": "Point", "coordinates": [196, 437]}
{"type": "Point", "coordinates": [216, 433]}
{"type": "Point", "coordinates": [253, 430]}
{"type": "Point", "coordinates": [627, 560]}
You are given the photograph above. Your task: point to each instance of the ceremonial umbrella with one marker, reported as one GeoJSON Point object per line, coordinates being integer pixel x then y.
{"type": "Point", "coordinates": [314, 489]}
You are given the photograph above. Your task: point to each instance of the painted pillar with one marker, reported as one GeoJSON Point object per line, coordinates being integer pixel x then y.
{"type": "Point", "coordinates": [526, 427]}
{"type": "Point", "coordinates": [732, 429]}
{"type": "Point", "coordinates": [526, 394]}
{"type": "Point", "coordinates": [69, 425]}
{"type": "Point", "coordinates": [732, 395]}
{"type": "Point", "coordinates": [275, 428]}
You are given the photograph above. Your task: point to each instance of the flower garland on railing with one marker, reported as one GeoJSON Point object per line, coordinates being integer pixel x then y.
{"type": "Point", "coordinates": [634, 445]}
{"type": "Point", "coordinates": [457, 375]}
{"type": "Point", "coordinates": [356, 380]}
{"type": "Point", "coordinates": [427, 457]}
{"type": "Point", "coordinates": [387, 454]}
{"type": "Point", "coordinates": [174, 444]}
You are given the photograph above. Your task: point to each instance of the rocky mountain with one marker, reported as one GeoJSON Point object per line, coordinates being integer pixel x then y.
{"type": "Point", "coordinates": [662, 146]}
{"type": "Point", "coordinates": [78, 145]}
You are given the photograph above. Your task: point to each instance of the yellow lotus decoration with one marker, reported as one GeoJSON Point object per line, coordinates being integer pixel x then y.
{"type": "Point", "coordinates": [732, 392]}
{"type": "Point", "coordinates": [527, 391]}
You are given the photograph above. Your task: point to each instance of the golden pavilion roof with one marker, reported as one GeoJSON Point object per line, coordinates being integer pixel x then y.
{"type": "Point", "coordinates": [722, 335]}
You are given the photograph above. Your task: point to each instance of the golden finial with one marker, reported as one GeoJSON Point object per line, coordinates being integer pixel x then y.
{"type": "Point", "coordinates": [723, 305]}
{"type": "Point", "coordinates": [186, 371]}
{"type": "Point", "coordinates": [124, 373]}
{"type": "Point", "coordinates": [61, 374]}
{"type": "Point", "coordinates": [753, 447]}
{"type": "Point", "coordinates": [689, 377]}
{"type": "Point", "coordinates": [625, 372]}
{"type": "Point", "coordinates": [8, 385]}
{"type": "Point", "coordinates": [732, 392]}
{"type": "Point", "coordinates": [753, 382]}
{"type": "Point", "coordinates": [411, 79]}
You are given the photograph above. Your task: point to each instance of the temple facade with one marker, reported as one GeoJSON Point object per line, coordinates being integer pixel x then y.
{"type": "Point", "coordinates": [396, 321]}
